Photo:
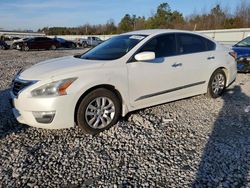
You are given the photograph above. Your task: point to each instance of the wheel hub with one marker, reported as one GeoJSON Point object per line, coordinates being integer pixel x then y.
{"type": "Point", "coordinates": [100, 112]}
{"type": "Point", "coordinates": [218, 84]}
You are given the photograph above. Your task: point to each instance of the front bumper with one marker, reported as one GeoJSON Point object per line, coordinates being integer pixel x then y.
{"type": "Point", "coordinates": [243, 64]}
{"type": "Point", "coordinates": [18, 47]}
{"type": "Point", "coordinates": [23, 108]}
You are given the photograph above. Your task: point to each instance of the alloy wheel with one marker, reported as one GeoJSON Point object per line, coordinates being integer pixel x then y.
{"type": "Point", "coordinates": [100, 112]}
{"type": "Point", "coordinates": [218, 84]}
{"type": "Point", "coordinates": [26, 48]}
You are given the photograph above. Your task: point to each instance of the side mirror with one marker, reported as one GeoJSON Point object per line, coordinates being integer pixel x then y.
{"type": "Point", "coordinates": [145, 56]}
{"type": "Point", "coordinates": [77, 55]}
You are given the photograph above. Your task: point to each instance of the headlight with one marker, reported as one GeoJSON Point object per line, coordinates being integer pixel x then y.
{"type": "Point", "coordinates": [53, 89]}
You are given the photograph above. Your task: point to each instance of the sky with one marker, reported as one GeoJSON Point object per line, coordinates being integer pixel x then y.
{"type": "Point", "coordinates": [35, 14]}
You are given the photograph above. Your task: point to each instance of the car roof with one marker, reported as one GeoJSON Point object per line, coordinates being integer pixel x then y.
{"type": "Point", "coordinates": [154, 32]}
{"type": "Point", "coordinates": [159, 31]}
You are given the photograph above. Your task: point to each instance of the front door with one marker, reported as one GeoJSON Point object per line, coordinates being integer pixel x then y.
{"type": "Point", "coordinates": [154, 81]}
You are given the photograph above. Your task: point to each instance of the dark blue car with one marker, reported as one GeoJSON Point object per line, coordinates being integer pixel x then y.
{"type": "Point", "coordinates": [242, 49]}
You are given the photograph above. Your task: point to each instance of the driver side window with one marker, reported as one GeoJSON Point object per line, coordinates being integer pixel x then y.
{"type": "Point", "coordinates": [163, 46]}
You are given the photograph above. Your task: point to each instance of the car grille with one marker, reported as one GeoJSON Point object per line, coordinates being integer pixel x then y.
{"type": "Point", "coordinates": [19, 85]}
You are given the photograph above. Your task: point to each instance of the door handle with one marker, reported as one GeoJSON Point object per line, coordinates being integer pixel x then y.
{"type": "Point", "coordinates": [210, 58]}
{"type": "Point", "coordinates": [177, 65]}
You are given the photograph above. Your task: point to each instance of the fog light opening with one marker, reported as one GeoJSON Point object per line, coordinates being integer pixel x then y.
{"type": "Point", "coordinates": [44, 117]}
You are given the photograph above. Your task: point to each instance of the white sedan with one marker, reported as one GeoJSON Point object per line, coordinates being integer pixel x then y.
{"type": "Point", "coordinates": [125, 73]}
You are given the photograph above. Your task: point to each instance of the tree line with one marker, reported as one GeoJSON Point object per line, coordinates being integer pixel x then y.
{"type": "Point", "coordinates": [165, 18]}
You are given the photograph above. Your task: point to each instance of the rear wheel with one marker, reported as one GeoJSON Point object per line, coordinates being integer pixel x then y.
{"type": "Point", "coordinates": [98, 111]}
{"type": "Point", "coordinates": [217, 84]}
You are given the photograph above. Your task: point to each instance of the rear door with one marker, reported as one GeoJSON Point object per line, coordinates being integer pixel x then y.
{"type": "Point", "coordinates": [196, 59]}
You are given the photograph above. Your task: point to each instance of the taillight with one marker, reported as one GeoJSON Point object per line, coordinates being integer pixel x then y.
{"type": "Point", "coordinates": [233, 54]}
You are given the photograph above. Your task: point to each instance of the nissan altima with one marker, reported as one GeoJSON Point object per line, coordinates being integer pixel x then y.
{"type": "Point", "coordinates": [127, 72]}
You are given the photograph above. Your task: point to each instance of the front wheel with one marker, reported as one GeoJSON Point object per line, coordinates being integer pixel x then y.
{"type": "Point", "coordinates": [25, 48]}
{"type": "Point", "coordinates": [217, 84]}
{"type": "Point", "coordinates": [53, 47]}
{"type": "Point", "coordinates": [98, 111]}
{"type": "Point", "coordinates": [84, 44]}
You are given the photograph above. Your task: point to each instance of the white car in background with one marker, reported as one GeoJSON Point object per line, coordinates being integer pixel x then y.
{"type": "Point", "coordinates": [125, 73]}
{"type": "Point", "coordinates": [89, 42]}
{"type": "Point", "coordinates": [18, 41]}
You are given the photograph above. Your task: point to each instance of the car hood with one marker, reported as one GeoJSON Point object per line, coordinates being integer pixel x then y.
{"type": "Point", "coordinates": [241, 51]}
{"type": "Point", "coordinates": [58, 66]}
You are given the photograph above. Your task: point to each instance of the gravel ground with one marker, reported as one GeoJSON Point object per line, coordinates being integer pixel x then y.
{"type": "Point", "coordinates": [196, 142]}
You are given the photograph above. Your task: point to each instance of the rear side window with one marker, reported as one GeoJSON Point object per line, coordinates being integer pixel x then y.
{"type": "Point", "coordinates": [188, 43]}
{"type": "Point", "coordinates": [163, 46]}
{"type": "Point", "coordinates": [210, 45]}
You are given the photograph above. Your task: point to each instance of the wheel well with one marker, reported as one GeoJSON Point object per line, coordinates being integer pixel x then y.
{"type": "Point", "coordinates": [106, 86]}
{"type": "Point", "coordinates": [225, 71]}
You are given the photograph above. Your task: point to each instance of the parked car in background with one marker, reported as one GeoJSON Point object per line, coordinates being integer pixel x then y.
{"type": "Point", "coordinates": [89, 42]}
{"type": "Point", "coordinates": [128, 72]}
{"type": "Point", "coordinates": [4, 45]}
{"type": "Point", "coordinates": [242, 49]}
{"type": "Point", "coordinates": [18, 42]}
{"type": "Point", "coordinates": [7, 39]}
{"type": "Point", "coordinates": [65, 43]}
{"type": "Point", "coordinates": [38, 43]}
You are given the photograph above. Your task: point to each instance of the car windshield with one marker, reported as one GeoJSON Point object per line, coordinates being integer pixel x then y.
{"type": "Point", "coordinates": [113, 48]}
{"type": "Point", "coordinates": [244, 43]}
{"type": "Point", "coordinates": [29, 39]}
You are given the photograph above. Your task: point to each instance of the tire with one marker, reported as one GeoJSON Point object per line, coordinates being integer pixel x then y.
{"type": "Point", "coordinates": [2, 47]}
{"type": "Point", "coordinates": [94, 118]}
{"type": "Point", "coordinates": [217, 84]}
{"type": "Point", "coordinates": [85, 45]}
{"type": "Point", "coordinates": [73, 46]}
{"type": "Point", "coordinates": [53, 47]}
{"type": "Point", "coordinates": [25, 48]}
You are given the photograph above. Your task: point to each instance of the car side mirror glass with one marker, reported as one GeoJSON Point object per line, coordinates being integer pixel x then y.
{"type": "Point", "coordinates": [145, 56]}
